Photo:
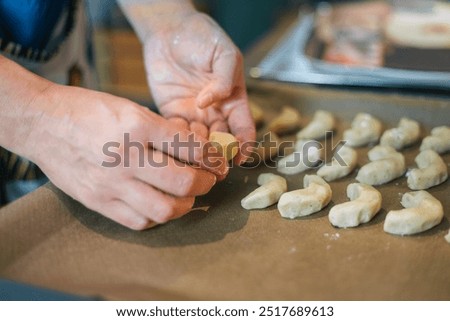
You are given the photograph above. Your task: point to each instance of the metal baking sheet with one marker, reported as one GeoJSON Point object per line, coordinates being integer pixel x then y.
{"type": "Point", "coordinates": [288, 62]}
{"type": "Point", "coordinates": [222, 252]}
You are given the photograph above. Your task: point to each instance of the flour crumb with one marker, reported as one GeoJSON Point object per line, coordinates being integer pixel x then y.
{"type": "Point", "coordinates": [334, 237]}
{"type": "Point", "coordinates": [245, 179]}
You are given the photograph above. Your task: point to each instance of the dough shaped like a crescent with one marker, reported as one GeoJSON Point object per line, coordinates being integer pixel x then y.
{"type": "Point", "coordinates": [343, 163]}
{"type": "Point", "coordinates": [386, 164]}
{"type": "Point", "coordinates": [439, 140]}
{"type": "Point", "coordinates": [365, 129]}
{"type": "Point", "coordinates": [315, 195]}
{"type": "Point", "coordinates": [421, 212]}
{"type": "Point", "coordinates": [406, 134]}
{"type": "Point", "coordinates": [432, 171]}
{"type": "Point", "coordinates": [365, 202]}
{"type": "Point", "coordinates": [322, 123]}
{"type": "Point", "coordinates": [269, 192]}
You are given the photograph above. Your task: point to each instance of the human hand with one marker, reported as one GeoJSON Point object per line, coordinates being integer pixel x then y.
{"type": "Point", "coordinates": [68, 143]}
{"type": "Point", "coordinates": [196, 76]}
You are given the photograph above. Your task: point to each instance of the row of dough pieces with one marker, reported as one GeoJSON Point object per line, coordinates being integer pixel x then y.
{"type": "Point", "coordinates": [386, 164]}
{"type": "Point", "coordinates": [365, 129]}
{"type": "Point", "coordinates": [422, 211]}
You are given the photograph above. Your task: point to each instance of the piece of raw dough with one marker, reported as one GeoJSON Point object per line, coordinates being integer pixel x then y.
{"type": "Point", "coordinates": [288, 121]}
{"type": "Point", "coordinates": [269, 192]}
{"type": "Point", "coordinates": [322, 123]}
{"type": "Point", "coordinates": [307, 155]}
{"type": "Point", "coordinates": [257, 112]}
{"type": "Point", "coordinates": [365, 129]}
{"type": "Point", "coordinates": [315, 195]}
{"type": "Point", "coordinates": [225, 143]}
{"type": "Point", "coordinates": [365, 202]}
{"type": "Point", "coordinates": [421, 212]}
{"type": "Point", "coordinates": [439, 140]}
{"type": "Point", "coordinates": [432, 171]}
{"type": "Point", "coordinates": [406, 134]}
{"type": "Point", "coordinates": [342, 164]}
{"type": "Point", "coordinates": [386, 164]}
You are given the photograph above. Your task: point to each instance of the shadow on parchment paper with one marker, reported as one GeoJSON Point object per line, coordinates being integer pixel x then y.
{"type": "Point", "coordinates": [197, 227]}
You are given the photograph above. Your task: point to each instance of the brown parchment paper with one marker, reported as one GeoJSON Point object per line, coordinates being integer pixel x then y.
{"type": "Point", "coordinates": [223, 252]}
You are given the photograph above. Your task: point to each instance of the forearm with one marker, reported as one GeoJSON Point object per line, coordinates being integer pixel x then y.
{"type": "Point", "coordinates": [149, 16]}
{"type": "Point", "coordinates": [19, 90]}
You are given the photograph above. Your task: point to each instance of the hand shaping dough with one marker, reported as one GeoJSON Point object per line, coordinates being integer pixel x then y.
{"type": "Point", "coordinates": [365, 129]}
{"type": "Point", "coordinates": [386, 164]}
{"type": "Point", "coordinates": [272, 186]}
{"type": "Point", "coordinates": [225, 143]}
{"type": "Point", "coordinates": [342, 164]}
{"type": "Point", "coordinates": [432, 171]}
{"type": "Point", "coordinates": [307, 154]}
{"type": "Point", "coordinates": [407, 133]}
{"type": "Point", "coordinates": [315, 195]}
{"type": "Point", "coordinates": [322, 122]}
{"type": "Point", "coordinates": [439, 140]}
{"type": "Point", "coordinates": [421, 212]}
{"type": "Point", "coordinates": [365, 202]}
{"type": "Point", "coordinates": [286, 122]}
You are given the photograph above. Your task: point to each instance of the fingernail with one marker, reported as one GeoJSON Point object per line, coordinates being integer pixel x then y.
{"type": "Point", "coordinates": [222, 169]}
{"type": "Point", "coordinates": [208, 181]}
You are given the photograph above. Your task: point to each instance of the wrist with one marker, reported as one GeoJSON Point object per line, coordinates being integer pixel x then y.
{"type": "Point", "coordinates": [42, 110]}
{"type": "Point", "coordinates": [152, 16]}
{"type": "Point", "coordinates": [20, 90]}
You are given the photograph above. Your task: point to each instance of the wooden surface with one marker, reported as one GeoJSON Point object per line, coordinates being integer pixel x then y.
{"type": "Point", "coordinates": [120, 65]}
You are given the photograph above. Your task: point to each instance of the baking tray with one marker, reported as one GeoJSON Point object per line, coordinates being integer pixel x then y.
{"type": "Point", "coordinates": [288, 62]}
{"type": "Point", "coordinates": [221, 251]}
